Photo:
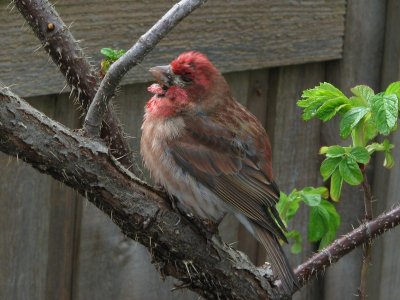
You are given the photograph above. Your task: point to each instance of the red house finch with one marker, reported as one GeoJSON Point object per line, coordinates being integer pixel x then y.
{"type": "Point", "coordinates": [211, 153]}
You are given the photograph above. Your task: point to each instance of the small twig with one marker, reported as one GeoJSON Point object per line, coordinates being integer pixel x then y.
{"type": "Point", "coordinates": [367, 245]}
{"type": "Point", "coordinates": [340, 247]}
{"type": "Point", "coordinates": [66, 53]}
{"type": "Point", "coordinates": [131, 58]}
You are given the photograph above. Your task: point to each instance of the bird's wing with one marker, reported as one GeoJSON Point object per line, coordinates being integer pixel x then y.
{"type": "Point", "coordinates": [231, 167]}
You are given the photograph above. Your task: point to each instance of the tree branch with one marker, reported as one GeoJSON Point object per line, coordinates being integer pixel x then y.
{"type": "Point", "coordinates": [69, 57]}
{"type": "Point", "coordinates": [340, 247]}
{"type": "Point", "coordinates": [130, 59]}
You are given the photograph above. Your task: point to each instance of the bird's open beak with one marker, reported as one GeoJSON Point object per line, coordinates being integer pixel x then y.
{"type": "Point", "coordinates": [163, 75]}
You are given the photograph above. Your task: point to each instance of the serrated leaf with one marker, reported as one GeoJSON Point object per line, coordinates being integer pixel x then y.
{"type": "Point", "coordinates": [336, 185]}
{"type": "Point", "coordinates": [350, 171]}
{"type": "Point", "coordinates": [329, 109]}
{"type": "Point", "coordinates": [385, 111]}
{"type": "Point", "coordinates": [323, 101]}
{"type": "Point", "coordinates": [329, 166]}
{"type": "Point", "coordinates": [350, 120]}
{"type": "Point", "coordinates": [394, 88]}
{"type": "Point", "coordinates": [360, 155]}
{"type": "Point", "coordinates": [335, 151]}
{"type": "Point", "coordinates": [364, 92]}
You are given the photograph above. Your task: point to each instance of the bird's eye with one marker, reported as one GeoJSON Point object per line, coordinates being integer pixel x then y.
{"type": "Point", "coordinates": [186, 79]}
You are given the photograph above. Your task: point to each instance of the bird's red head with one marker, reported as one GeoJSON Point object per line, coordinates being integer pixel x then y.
{"type": "Point", "coordinates": [194, 69]}
{"type": "Point", "coordinates": [187, 79]}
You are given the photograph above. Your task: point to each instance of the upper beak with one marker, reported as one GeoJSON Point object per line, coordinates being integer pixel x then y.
{"type": "Point", "coordinates": [162, 74]}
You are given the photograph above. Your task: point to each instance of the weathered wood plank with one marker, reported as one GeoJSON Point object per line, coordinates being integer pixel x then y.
{"type": "Point", "coordinates": [123, 266]}
{"type": "Point", "coordinates": [361, 64]}
{"type": "Point", "coordinates": [295, 145]}
{"type": "Point", "coordinates": [37, 224]}
{"type": "Point", "coordinates": [385, 273]}
{"type": "Point", "coordinates": [237, 35]}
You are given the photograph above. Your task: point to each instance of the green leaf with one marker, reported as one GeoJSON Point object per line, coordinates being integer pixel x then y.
{"type": "Point", "coordinates": [323, 223]}
{"type": "Point", "coordinates": [333, 224]}
{"type": "Point", "coordinates": [364, 92]}
{"type": "Point", "coordinates": [336, 185]}
{"type": "Point", "coordinates": [287, 206]}
{"type": "Point", "coordinates": [292, 209]}
{"type": "Point", "coordinates": [360, 155]}
{"type": "Point", "coordinates": [350, 120]}
{"type": "Point", "coordinates": [370, 130]}
{"type": "Point", "coordinates": [350, 171]}
{"type": "Point", "coordinates": [335, 151]}
{"type": "Point", "coordinates": [323, 101]}
{"type": "Point", "coordinates": [334, 216]}
{"type": "Point", "coordinates": [394, 88]}
{"type": "Point", "coordinates": [385, 111]}
{"type": "Point", "coordinates": [317, 224]}
{"type": "Point", "coordinates": [321, 190]}
{"type": "Point", "coordinates": [112, 54]}
{"type": "Point", "coordinates": [329, 109]}
{"type": "Point", "coordinates": [389, 160]}
{"type": "Point", "coordinates": [329, 166]}
{"type": "Point", "coordinates": [371, 148]}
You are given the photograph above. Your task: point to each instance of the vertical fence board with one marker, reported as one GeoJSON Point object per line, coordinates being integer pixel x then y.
{"type": "Point", "coordinates": [361, 64]}
{"type": "Point", "coordinates": [295, 144]}
{"type": "Point", "coordinates": [385, 273]}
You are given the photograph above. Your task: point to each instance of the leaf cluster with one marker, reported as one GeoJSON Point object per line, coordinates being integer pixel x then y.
{"type": "Point", "coordinates": [323, 219]}
{"type": "Point", "coordinates": [110, 56]}
{"type": "Point", "coordinates": [363, 117]}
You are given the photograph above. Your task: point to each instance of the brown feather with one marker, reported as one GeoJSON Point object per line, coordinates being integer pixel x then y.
{"type": "Point", "coordinates": [279, 262]}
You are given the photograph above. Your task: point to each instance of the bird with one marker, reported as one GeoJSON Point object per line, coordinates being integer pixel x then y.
{"type": "Point", "coordinates": [212, 154]}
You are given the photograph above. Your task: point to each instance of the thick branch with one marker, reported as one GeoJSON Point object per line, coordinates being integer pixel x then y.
{"type": "Point", "coordinates": [69, 57]}
{"type": "Point", "coordinates": [131, 58]}
{"type": "Point", "coordinates": [340, 247]}
{"type": "Point", "coordinates": [178, 249]}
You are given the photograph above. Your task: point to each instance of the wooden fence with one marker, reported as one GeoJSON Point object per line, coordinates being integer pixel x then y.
{"type": "Point", "coordinates": [56, 245]}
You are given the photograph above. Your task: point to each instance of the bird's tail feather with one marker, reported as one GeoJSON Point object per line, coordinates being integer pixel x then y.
{"type": "Point", "coordinates": [279, 262]}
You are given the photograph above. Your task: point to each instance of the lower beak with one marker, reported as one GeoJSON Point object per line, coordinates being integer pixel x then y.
{"type": "Point", "coordinates": [162, 74]}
